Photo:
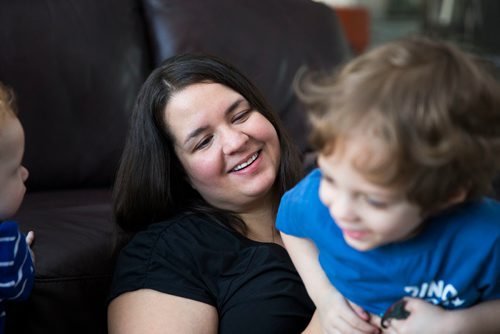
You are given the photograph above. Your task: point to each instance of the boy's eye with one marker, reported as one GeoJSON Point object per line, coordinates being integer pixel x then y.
{"type": "Point", "coordinates": [376, 203]}
{"type": "Point", "coordinates": [328, 179]}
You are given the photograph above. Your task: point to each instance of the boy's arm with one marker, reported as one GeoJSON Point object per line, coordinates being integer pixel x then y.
{"type": "Point", "coordinates": [426, 318]}
{"type": "Point", "coordinates": [334, 311]}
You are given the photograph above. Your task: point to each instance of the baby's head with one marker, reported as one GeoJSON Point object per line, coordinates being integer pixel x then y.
{"type": "Point", "coordinates": [12, 173]}
{"type": "Point", "coordinates": [413, 122]}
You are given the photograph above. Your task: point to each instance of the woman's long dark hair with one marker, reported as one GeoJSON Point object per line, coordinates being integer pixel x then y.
{"type": "Point", "coordinates": [151, 183]}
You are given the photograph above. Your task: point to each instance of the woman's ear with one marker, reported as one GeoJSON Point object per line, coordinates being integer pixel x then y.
{"type": "Point", "coordinates": [188, 181]}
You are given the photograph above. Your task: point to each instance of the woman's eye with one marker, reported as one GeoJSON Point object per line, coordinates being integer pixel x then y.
{"type": "Point", "coordinates": [241, 116]}
{"type": "Point", "coordinates": [203, 143]}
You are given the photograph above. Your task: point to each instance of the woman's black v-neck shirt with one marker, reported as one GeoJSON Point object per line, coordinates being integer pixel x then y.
{"type": "Point", "coordinates": [254, 286]}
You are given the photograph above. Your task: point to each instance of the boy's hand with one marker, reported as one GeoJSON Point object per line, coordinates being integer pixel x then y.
{"type": "Point", "coordinates": [30, 237]}
{"type": "Point", "coordinates": [338, 315]}
{"type": "Point", "coordinates": [424, 318]}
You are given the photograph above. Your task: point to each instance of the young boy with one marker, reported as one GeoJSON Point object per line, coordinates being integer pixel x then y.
{"type": "Point", "coordinates": [16, 266]}
{"type": "Point", "coordinates": [408, 136]}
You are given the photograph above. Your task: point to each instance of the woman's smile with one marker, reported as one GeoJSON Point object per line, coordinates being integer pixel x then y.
{"type": "Point", "coordinates": [247, 163]}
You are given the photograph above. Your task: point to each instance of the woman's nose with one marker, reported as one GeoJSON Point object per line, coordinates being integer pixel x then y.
{"type": "Point", "coordinates": [233, 140]}
{"type": "Point", "coordinates": [24, 173]}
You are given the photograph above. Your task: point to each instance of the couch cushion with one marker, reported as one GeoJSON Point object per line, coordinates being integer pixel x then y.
{"type": "Point", "coordinates": [75, 248]}
{"type": "Point", "coordinates": [267, 39]}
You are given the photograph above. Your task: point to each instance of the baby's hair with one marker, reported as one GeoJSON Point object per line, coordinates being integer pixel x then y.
{"type": "Point", "coordinates": [434, 108]}
{"type": "Point", "coordinates": [7, 101]}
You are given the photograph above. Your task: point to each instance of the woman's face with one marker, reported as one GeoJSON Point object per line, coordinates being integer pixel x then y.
{"type": "Point", "coordinates": [231, 152]}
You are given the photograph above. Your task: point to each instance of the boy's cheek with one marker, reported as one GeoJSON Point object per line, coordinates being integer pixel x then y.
{"type": "Point", "coordinates": [326, 193]}
{"type": "Point", "coordinates": [323, 197]}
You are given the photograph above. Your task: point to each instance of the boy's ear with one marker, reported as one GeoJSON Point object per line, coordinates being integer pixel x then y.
{"type": "Point", "coordinates": [456, 197]}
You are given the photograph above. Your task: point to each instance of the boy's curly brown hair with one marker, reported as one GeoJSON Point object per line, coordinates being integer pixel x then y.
{"type": "Point", "coordinates": [435, 108]}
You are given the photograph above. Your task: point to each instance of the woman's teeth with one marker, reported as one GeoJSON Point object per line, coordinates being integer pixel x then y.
{"type": "Point", "coordinates": [246, 163]}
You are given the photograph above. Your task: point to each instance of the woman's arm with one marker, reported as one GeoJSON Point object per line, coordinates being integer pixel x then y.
{"type": "Point", "coordinates": [314, 326]}
{"type": "Point", "coordinates": [153, 312]}
{"type": "Point", "coordinates": [335, 313]}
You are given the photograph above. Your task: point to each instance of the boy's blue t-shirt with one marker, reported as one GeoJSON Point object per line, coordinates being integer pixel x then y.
{"type": "Point", "coordinates": [16, 267]}
{"type": "Point", "coordinates": [454, 262]}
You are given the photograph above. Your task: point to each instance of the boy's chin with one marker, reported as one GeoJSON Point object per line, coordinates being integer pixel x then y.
{"type": "Point", "coordinates": [360, 245]}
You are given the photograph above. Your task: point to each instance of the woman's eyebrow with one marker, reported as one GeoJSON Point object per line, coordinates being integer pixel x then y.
{"type": "Point", "coordinates": [234, 105]}
{"type": "Point", "coordinates": [199, 130]}
{"type": "Point", "coordinates": [195, 133]}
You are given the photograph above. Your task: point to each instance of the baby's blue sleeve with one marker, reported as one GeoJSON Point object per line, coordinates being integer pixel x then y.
{"type": "Point", "coordinates": [16, 265]}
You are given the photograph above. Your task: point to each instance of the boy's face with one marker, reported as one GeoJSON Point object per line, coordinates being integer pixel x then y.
{"type": "Point", "coordinates": [12, 174]}
{"type": "Point", "coordinates": [368, 214]}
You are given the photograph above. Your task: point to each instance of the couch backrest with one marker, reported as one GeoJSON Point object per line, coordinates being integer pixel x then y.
{"type": "Point", "coordinates": [76, 67]}
{"type": "Point", "coordinates": [267, 39]}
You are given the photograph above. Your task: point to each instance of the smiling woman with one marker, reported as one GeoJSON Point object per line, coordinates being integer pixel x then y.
{"type": "Point", "coordinates": [205, 165]}
{"type": "Point", "coordinates": [230, 151]}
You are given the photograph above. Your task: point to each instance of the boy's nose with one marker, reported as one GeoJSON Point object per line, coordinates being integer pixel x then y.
{"type": "Point", "coordinates": [24, 173]}
{"type": "Point", "coordinates": [342, 209]}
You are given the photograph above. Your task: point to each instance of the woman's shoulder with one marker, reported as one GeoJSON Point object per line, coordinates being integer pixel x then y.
{"type": "Point", "coordinates": [178, 256]}
{"type": "Point", "coordinates": [194, 257]}
{"type": "Point", "coordinates": [187, 230]}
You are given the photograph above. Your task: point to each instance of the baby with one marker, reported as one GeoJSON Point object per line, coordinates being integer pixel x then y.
{"type": "Point", "coordinates": [16, 263]}
{"type": "Point", "coordinates": [408, 137]}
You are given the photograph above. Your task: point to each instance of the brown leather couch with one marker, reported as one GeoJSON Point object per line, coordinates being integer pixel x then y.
{"type": "Point", "coordinates": [76, 67]}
